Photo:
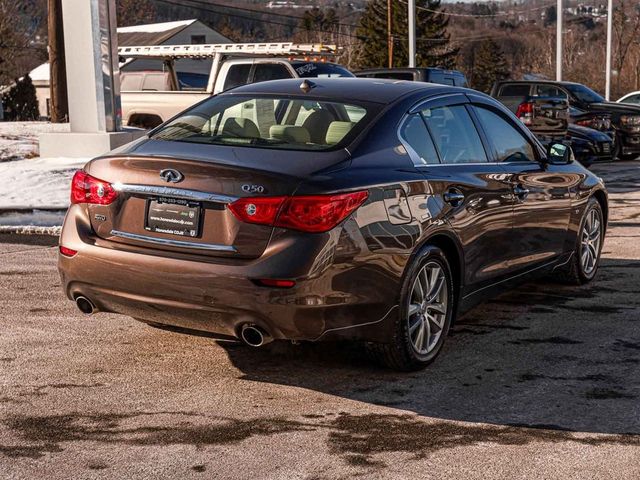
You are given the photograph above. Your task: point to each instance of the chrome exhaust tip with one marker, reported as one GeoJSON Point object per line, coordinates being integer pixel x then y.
{"type": "Point", "coordinates": [254, 336]}
{"type": "Point", "coordinates": [85, 305]}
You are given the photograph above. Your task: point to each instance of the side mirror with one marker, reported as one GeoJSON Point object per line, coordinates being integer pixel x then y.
{"type": "Point", "coordinates": [559, 154]}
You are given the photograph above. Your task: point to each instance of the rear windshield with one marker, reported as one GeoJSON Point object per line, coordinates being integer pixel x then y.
{"type": "Point", "coordinates": [268, 122]}
{"type": "Point", "coordinates": [318, 69]}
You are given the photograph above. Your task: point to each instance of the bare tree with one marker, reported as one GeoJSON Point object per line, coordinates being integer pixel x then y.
{"type": "Point", "coordinates": [626, 30]}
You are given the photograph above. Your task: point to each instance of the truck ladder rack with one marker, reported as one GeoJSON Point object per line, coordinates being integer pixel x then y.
{"type": "Point", "coordinates": [211, 50]}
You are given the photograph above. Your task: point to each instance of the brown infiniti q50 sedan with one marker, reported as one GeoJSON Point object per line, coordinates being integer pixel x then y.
{"type": "Point", "coordinates": [337, 208]}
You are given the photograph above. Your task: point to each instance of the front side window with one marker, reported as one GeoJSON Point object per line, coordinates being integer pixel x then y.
{"type": "Point", "coordinates": [454, 134]}
{"type": "Point", "coordinates": [584, 94]}
{"type": "Point", "coordinates": [509, 143]}
{"type": "Point", "coordinates": [269, 122]}
{"type": "Point", "coordinates": [414, 132]}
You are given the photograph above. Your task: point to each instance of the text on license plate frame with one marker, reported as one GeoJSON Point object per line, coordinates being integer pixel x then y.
{"type": "Point", "coordinates": [173, 216]}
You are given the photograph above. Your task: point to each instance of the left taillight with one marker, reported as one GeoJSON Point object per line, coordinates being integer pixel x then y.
{"type": "Point", "coordinates": [306, 213]}
{"type": "Point", "coordinates": [88, 189]}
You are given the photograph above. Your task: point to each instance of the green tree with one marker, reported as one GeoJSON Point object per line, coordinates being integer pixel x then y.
{"type": "Point", "coordinates": [319, 25]}
{"type": "Point", "coordinates": [432, 40]}
{"type": "Point", "coordinates": [135, 12]}
{"type": "Point", "coordinates": [490, 66]}
{"type": "Point", "coordinates": [20, 102]}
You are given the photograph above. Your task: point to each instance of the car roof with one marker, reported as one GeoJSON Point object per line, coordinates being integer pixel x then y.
{"type": "Point", "coordinates": [369, 90]}
{"type": "Point", "coordinates": [550, 82]}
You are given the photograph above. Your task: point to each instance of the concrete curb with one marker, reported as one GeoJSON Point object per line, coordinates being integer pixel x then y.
{"type": "Point", "coordinates": [30, 230]}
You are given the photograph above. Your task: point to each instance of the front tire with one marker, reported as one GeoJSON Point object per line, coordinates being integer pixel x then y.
{"type": "Point", "coordinates": [426, 308]}
{"type": "Point", "coordinates": [585, 260]}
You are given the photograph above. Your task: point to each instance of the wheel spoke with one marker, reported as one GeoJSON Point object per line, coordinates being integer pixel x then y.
{"type": "Point", "coordinates": [434, 293]}
{"type": "Point", "coordinates": [418, 290]}
{"type": "Point", "coordinates": [439, 307]}
{"type": "Point", "coordinates": [438, 322]}
{"type": "Point", "coordinates": [419, 336]}
{"type": "Point", "coordinates": [412, 328]}
{"type": "Point", "coordinates": [413, 309]}
{"type": "Point", "coordinates": [427, 336]}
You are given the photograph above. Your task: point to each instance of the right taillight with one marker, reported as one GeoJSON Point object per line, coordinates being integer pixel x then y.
{"type": "Point", "coordinates": [525, 113]}
{"type": "Point", "coordinates": [307, 213]}
{"type": "Point", "coordinates": [88, 189]}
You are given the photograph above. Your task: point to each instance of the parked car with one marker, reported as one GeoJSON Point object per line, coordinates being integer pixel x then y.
{"type": "Point", "coordinates": [420, 74]}
{"type": "Point", "coordinates": [548, 119]}
{"type": "Point", "coordinates": [150, 98]}
{"type": "Point", "coordinates": [624, 118]}
{"type": "Point", "coordinates": [632, 97]}
{"type": "Point", "coordinates": [312, 224]}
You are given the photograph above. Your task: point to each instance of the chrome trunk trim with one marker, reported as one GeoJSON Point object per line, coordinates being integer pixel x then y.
{"type": "Point", "coordinates": [174, 243]}
{"type": "Point", "coordinates": [173, 193]}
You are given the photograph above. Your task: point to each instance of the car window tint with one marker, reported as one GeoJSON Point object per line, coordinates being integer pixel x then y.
{"type": "Point", "coordinates": [237, 75]}
{"type": "Point", "coordinates": [455, 135]}
{"type": "Point", "coordinates": [509, 143]}
{"type": "Point", "coordinates": [414, 132]}
{"type": "Point", "coordinates": [397, 75]}
{"type": "Point", "coordinates": [550, 91]}
{"type": "Point", "coordinates": [514, 90]}
{"type": "Point", "coordinates": [270, 71]}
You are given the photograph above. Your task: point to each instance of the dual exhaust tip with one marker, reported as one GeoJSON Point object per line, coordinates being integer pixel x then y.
{"type": "Point", "coordinates": [250, 334]}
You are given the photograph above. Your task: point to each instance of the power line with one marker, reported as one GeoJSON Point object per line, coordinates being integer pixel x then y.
{"type": "Point", "coordinates": [483, 15]}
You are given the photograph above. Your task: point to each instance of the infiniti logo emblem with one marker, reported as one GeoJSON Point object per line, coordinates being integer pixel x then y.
{"type": "Point", "coordinates": [171, 175]}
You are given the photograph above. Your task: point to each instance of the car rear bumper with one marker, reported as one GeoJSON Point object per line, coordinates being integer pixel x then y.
{"type": "Point", "coordinates": [335, 295]}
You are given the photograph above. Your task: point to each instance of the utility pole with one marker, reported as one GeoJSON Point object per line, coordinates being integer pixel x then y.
{"type": "Point", "coordinates": [412, 33]}
{"type": "Point", "coordinates": [59, 106]}
{"type": "Point", "coordinates": [389, 35]}
{"type": "Point", "coordinates": [559, 41]}
{"type": "Point", "coordinates": [607, 88]}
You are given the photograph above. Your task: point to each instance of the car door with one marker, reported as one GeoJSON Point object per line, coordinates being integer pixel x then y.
{"type": "Point", "coordinates": [465, 189]}
{"type": "Point", "coordinates": [541, 191]}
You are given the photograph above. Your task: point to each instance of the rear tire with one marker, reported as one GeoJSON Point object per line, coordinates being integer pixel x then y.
{"type": "Point", "coordinates": [424, 316]}
{"type": "Point", "coordinates": [585, 259]}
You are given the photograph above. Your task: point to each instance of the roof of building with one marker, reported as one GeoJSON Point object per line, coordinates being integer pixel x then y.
{"type": "Point", "coordinates": [152, 33]}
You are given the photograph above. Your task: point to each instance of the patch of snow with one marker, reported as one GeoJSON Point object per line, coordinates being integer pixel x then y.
{"type": "Point", "coordinates": [38, 218]}
{"type": "Point", "coordinates": [38, 182]}
{"type": "Point", "coordinates": [19, 140]}
{"type": "Point", "coordinates": [155, 27]}
{"type": "Point", "coordinates": [40, 73]}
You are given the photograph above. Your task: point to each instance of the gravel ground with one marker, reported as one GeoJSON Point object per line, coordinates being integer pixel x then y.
{"type": "Point", "coordinates": [543, 382]}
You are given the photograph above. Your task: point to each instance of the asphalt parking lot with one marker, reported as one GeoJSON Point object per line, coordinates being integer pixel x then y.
{"type": "Point", "coordinates": [543, 382]}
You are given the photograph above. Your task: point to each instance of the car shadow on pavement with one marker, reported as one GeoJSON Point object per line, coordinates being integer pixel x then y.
{"type": "Point", "coordinates": [542, 356]}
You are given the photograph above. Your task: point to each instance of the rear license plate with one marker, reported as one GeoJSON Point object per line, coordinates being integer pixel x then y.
{"type": "Point", "coordinates": [173, 216]}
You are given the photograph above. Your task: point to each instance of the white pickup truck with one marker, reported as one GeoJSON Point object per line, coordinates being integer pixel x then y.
{"type": "Point", "coordinates": [150, 98]}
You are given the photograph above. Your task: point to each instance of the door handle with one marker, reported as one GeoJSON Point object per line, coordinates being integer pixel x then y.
{"type": "Point", "coordinates": [453, 197]}
{"type": "Point", "coordinates": [520, 192]}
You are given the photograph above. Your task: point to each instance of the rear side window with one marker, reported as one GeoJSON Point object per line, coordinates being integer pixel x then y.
{"type": "Point", "coordinates": [514, 90]}
{"type": "Point", "coordinates": [414, 132]}
{"type": "Point", "coordinates": [455, 134]}
{"type": "Point", "coordinates": [157, 82]}
{"type": "Point", "coordinates": [270, 71]}
{"type": "Point", "coordinates": [509, 143]}
{"type": "Point", "coordinates": [131, 82]}
{"type": "Point", "coordinates": [237, 75]}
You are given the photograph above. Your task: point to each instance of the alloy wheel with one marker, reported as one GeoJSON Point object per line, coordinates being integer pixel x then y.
{"type": "Point", "coordinates": [590, 242]}
{"type": "Point", "coordinates": [427, 310]}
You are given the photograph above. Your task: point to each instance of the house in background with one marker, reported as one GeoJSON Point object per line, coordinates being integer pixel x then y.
{"type": "Point", "coordinates": [191, 73]}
